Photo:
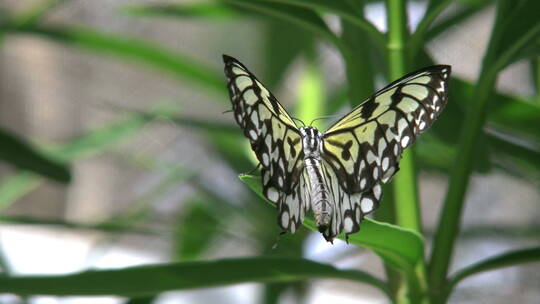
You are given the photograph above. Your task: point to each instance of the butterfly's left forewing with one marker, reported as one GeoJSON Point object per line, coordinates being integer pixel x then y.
{"type": "Point", "coordinates": [274, 138]}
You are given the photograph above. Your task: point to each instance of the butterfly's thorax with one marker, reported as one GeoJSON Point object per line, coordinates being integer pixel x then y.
{"type": "Point", "coordinates": [312, 141]}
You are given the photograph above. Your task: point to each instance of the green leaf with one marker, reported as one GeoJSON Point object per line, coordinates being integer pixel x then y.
{"type": "Point", "coordinates": [311, 93]}
{"type": "Point", "coordinates": [197, 229]}
{"type": "Point", "coordinates": [142, 300]}
{"type": "Point", "coordinates": [25, 156]}
{"type": "Point", "coordinates": [299, 16]}
{"type": "Point", "coordinates": [92, 143]}
{"type": "Point", "coordinates": [507, 259]}
{"type": "Point", "coordinates": [108, 226]}
{"type": "Point", "coordinates": [35, 14]}
{"type": "Point", "coordinates": [454, 17]}
{"type": "Point", "coordinates": [510, 131]}
{"type": "Point", "coordinates": [277, 55]}
{"type": "Point", "coordinates": [535, 75]}
{"type": "Point", "coordinates": [515, 115]}
{"type": "Point", "coordinates": [336, 100]}
{"type": "Point", "coordinates": [172, 175]}
{"type": "Point", "coordinates": [100, 139]}
{"type": "Point", "coordinates": [403, 248]}
{"type": "Point", "coordinates": [515, 34]}
{"type": "Point", "coordinates": [344, 11]}
{"type": "Point", "coordinates": [498, 54]}
{"type": "Point", "coordinates": [359, 65]}
{"type": "Point", "coordinates": [435, 8]}
{"type": "Point", "coordinates": [183, 10]}
{"type": "Point", "coordinates": [174, 63]}
{"type": "Point", "coordinates": [232, 148]}
{"type": "Point", "coordinates": [14, 187]}
{"type": "Point", "coordinates": [149, 280]}
{"type": "Point", "coordinates": [195, 123]}
{"type": "Point", "coordinates": [514, 156]}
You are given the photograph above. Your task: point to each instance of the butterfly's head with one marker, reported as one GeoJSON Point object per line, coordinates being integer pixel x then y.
{"type": "Point", "coordinates": [311, 141]}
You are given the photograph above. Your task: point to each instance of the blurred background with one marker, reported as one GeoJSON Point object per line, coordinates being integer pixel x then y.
{"type": "Point", "coordinates": [133, 166]}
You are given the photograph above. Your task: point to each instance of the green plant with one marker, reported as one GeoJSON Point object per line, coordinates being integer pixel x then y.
{"type": "Point", "coordinates": [490, 119]}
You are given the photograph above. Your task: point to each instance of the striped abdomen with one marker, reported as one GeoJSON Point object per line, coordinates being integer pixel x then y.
{"type": "Point", "coordinates": [320, 197]}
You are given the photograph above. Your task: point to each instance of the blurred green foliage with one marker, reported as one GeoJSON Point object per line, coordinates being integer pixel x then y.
{"type": "Point", "coordinates": [481, 130]}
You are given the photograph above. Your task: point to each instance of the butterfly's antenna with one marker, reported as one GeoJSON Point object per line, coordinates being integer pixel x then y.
{"type": "Point", "coordinates": [303, 124]}
{"type": "Point", "coordinates": [322, 117]}
{"type": "Point", "coordinates": [228, 111]}
{"type": "Point", "coordinates": [278, 239]}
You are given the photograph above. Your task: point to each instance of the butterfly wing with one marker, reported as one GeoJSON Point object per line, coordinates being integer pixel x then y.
{"type": "Point", "coordinates": [274, 138]}
{"type": "Point", "coordinates": [350, 207]}
{"type": "Point", "coordinates": [363, 148]}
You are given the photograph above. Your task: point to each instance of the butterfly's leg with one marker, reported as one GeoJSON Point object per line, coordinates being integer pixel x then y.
{"type": "Point", "coordinates": [279, 238]}
{"type": "Point", "coordinates": [253, 170]}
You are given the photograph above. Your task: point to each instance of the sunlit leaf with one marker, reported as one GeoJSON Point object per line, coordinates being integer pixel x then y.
{"type": "Point", "coordinates": [400, 247]}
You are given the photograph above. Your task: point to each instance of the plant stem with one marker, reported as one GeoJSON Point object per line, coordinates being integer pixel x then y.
{"type": "Point", "coordinates": [407, 211]}
{"type": "Point", "coordinates": [405, 185]}
{"type": "Point", "coordinates": [386, 213]}
{"type": "Point", "coordinates": [450, 214]}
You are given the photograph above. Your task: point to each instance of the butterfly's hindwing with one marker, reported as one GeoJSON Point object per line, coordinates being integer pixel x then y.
{"type": "Point", "coordinates": [293, 206]}
{"type": "Point", "coordinates": [353, 207]}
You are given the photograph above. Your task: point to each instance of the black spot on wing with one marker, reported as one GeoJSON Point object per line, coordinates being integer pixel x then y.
{"type": "Point", "coordinates": [368, 108]}
{"type": "Point", "coordinates": [346, 153]}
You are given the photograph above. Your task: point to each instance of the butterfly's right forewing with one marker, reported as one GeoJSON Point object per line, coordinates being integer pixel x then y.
{"type": "Point", "coordinates": [365, 146]}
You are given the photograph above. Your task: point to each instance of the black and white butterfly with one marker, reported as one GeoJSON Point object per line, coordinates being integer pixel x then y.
{"type": "Point", "coordinates": [338, 174]}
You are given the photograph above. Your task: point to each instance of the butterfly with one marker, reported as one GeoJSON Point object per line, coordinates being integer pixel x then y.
{"type": "Point", "coordinates": [337, 174]}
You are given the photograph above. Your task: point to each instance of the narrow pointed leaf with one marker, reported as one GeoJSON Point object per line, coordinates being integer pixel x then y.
{"type": "Point", "coordinates": [299, 16]}
{"type": "Point", "coordinates": [174, 63]}
{"type": "Point", "coordinates": [341, 9]}
{"type": "Point", "coordinates": [23, 155]}
{"type": "Point", "coordinates": [152, 279]}
{"type": "Point", "coordinates": [92, 143]}
{"type": "Point", "coordinates": [507, 259]}
{"type": "Point", "coordinates": [36, 13]}
{"type": "Point", "coordinates": [183, 10]}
